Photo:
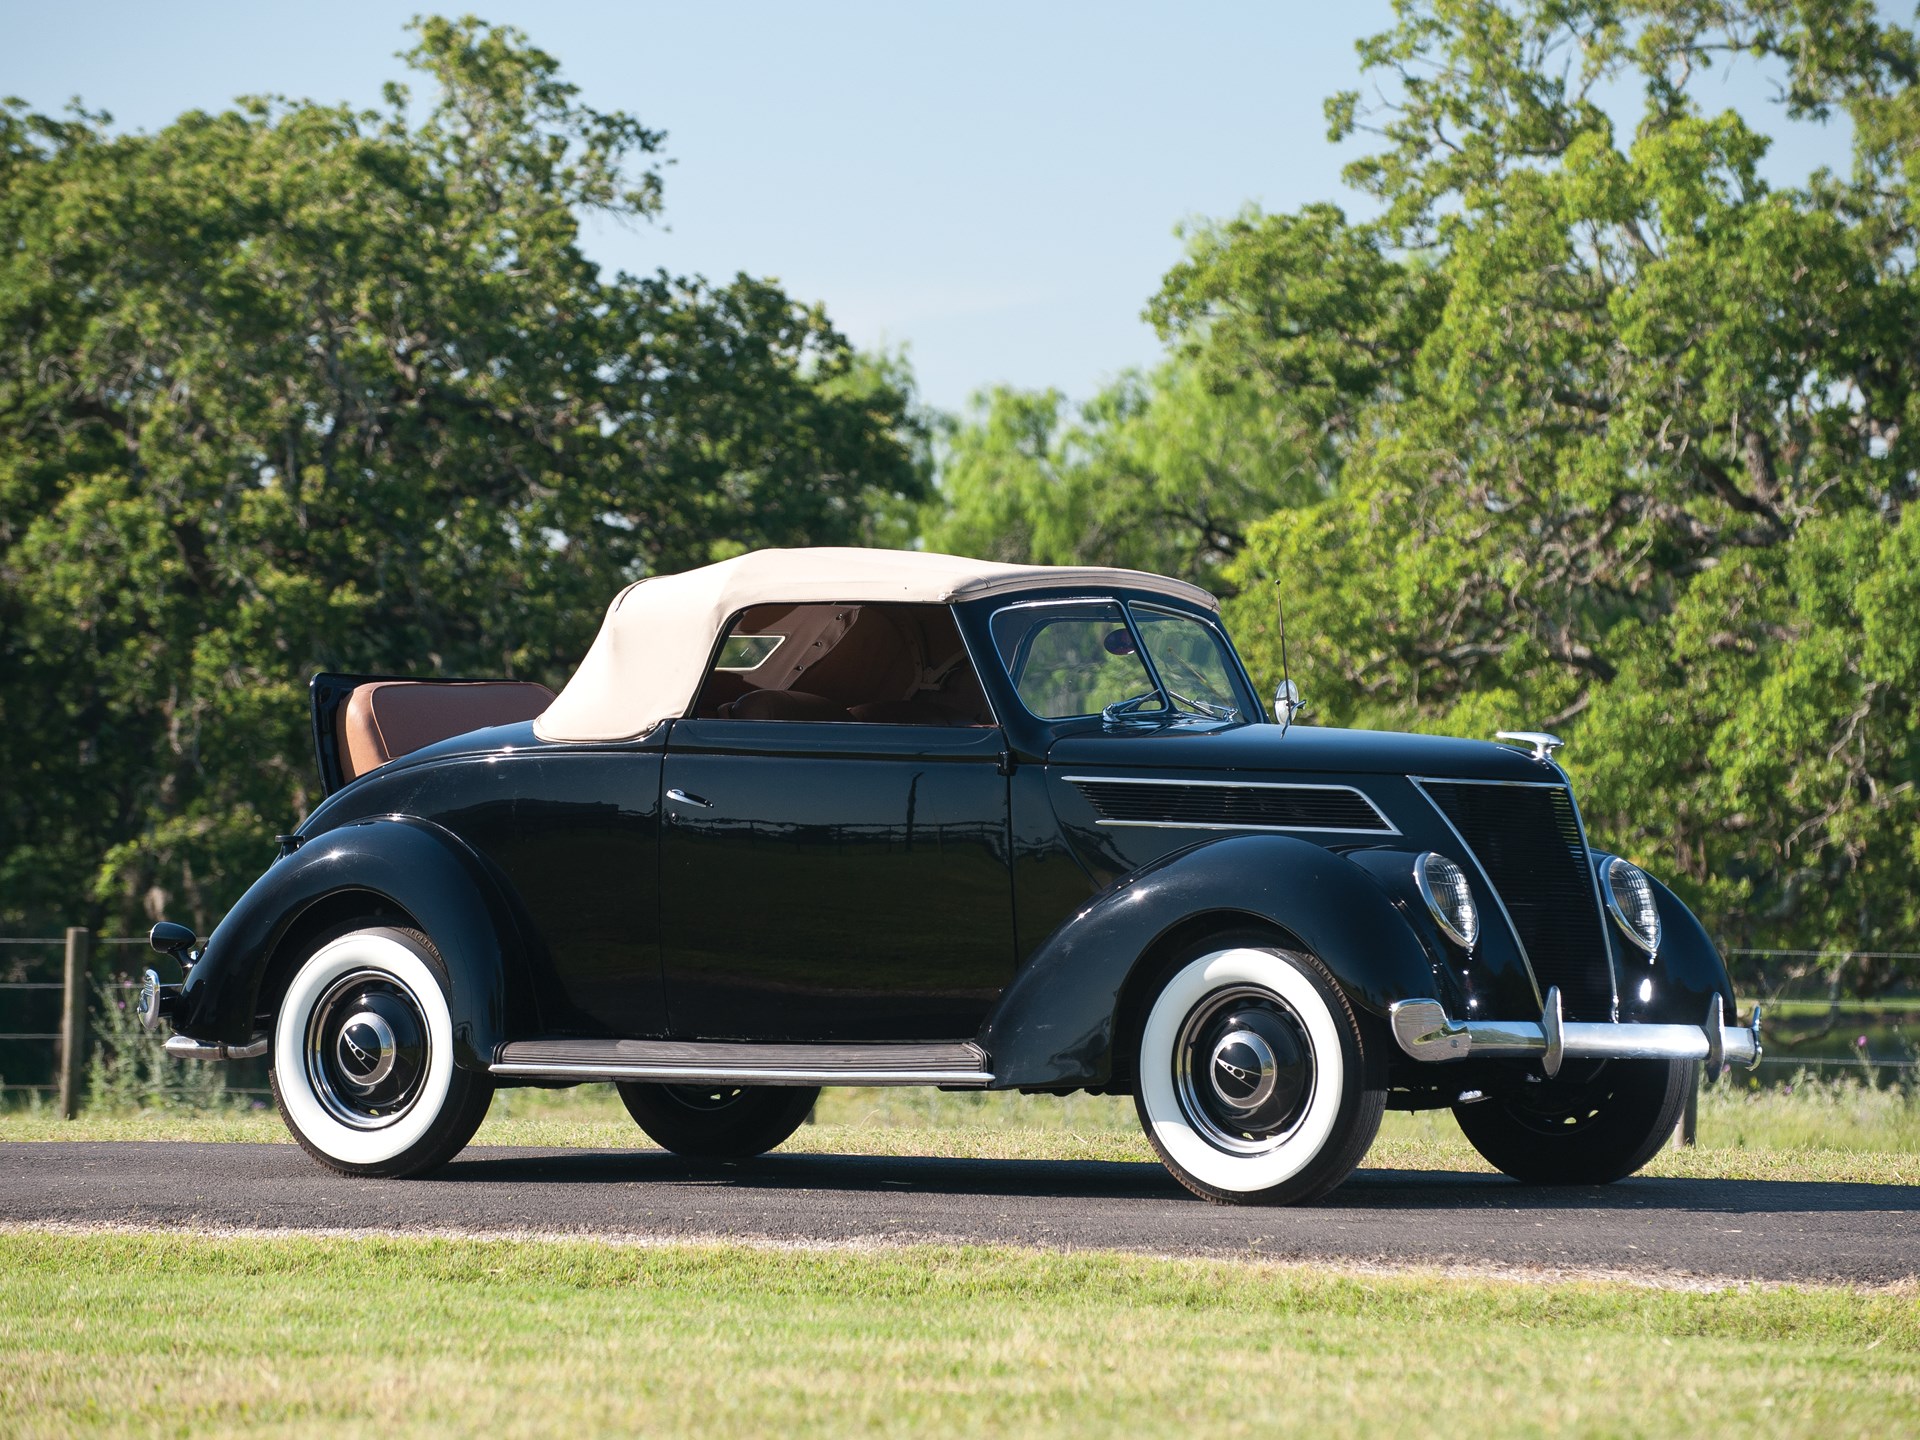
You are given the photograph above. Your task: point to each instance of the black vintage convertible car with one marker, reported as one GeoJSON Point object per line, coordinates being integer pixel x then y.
{"type": "Point", "coordinates": [849, 817]}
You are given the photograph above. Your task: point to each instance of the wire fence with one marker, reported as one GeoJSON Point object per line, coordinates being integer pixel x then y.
{"type": "Point", "coordinates": [1855, 1063]}
{"type": "Point", "coordinates": [66, 1083]}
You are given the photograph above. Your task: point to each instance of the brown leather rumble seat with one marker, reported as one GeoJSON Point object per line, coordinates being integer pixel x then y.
{"type": "Point", "coordinates": [385, 719]}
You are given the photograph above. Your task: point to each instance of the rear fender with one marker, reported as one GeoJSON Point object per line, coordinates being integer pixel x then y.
{"type": "Point", "coordinates": [1056, 1024]}
{"type": "Point", "coordinates": [410, 865]}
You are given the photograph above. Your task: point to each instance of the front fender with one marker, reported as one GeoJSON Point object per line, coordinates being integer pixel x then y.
{"type": "Point", "coordinates": [1056, 1023]}
{"type": "Point", "coordinates": [1682, 979]}
{"type": "Point", "coordinates": [414, 866]}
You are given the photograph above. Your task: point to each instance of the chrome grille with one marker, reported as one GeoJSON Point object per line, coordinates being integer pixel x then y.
{"type": "Point", "coordinates": [1528, 842]}
{"type": "Point", "coordinates": [1214, 805]}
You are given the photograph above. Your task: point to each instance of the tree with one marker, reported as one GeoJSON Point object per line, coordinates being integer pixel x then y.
{"type": "Point", "coordinates": [1639, 461]}
{"type": "Point", "coordinates": [1159, 472]}
{"type": "Point", "coordinates": [292, 386]}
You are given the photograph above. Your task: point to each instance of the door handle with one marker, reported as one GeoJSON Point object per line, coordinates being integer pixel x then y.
{"type": "Point", "coordinates": [685, 799]}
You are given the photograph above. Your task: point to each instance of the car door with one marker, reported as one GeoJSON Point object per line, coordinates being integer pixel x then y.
{"type": "Point", "coordinates": [834, 881]}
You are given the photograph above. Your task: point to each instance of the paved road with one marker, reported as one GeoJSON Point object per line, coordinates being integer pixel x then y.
{"type": "Point", "coordinates": [1741, 1229]}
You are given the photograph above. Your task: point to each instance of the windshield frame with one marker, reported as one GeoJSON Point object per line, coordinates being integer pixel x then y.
{"type": "Point", "coordinates": [1168, 713]}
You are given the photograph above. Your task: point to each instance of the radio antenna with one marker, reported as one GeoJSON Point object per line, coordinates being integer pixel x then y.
{"type": "Point", "coordinates": [1286, 700]}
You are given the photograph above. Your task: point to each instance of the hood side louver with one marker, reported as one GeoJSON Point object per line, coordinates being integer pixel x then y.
{"type": "Point", "coordinates": [1212, 805]}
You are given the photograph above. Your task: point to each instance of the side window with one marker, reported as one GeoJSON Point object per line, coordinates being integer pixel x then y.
{"type": "Point", "coordinates": [1071, 658]}
{"type": "Point", "coordinates": [868, 664]}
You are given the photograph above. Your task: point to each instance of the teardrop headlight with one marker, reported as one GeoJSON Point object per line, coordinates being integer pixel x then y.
{"type": "Point", "coordinates": [1630, 899]}
{"type": "Point", "coordinates": [1443, 885]}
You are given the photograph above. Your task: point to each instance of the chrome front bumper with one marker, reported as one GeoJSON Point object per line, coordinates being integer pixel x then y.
{"type": "Point", "coordinates": [1426, 1032]}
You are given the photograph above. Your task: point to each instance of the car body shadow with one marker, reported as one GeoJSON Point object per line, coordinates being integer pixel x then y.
{"type": "Point", "coordinates": [1366, 1189]}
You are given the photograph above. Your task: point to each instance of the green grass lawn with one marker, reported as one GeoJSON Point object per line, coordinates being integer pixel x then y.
{"type": "Point", "coordinates": [1814, 1132]}
{"type": "Point", "coordinates": [122, 1334]}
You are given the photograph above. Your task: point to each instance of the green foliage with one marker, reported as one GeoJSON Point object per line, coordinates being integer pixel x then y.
{"type": "Point", "coordinates": [1158, 473]}
{"type": "Point", "coordinates": [293, 386]}
{"type": "Point", "coordinates": [1611, 436]}
{"type": "Point", "coordinates": [128, 1067]}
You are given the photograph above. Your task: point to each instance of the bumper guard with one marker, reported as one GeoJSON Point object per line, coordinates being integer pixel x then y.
{"type": "Point", "coordinates": [181, 1047]}
{"type": "Point", "coordinates": [1425, 1031]}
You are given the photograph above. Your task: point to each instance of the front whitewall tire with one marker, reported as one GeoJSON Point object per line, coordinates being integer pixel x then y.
{"type": "Point", "coordinates": [1312, 1146]}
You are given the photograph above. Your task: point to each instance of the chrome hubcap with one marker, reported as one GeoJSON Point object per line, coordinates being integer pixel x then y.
{"type": "Point", "coordinates": [367, 1050]}
{"type": "Point", "coordinates": [1244, 1070]}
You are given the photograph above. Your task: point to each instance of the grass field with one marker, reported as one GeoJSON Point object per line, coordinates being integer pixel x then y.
{"type": "Point", "coordinates": [1812, 1132]}
{"type": "Point", "coordinates": [122, 1334]}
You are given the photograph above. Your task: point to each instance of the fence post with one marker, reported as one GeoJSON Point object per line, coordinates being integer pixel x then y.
{"type": "Point", "coordinates": [73, 1019]}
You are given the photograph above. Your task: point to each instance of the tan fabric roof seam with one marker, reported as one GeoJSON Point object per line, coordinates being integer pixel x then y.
{"type": "Point", "coordinates": [652, 651]}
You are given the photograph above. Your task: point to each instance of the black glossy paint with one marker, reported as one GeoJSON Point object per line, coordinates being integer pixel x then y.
{"type": "Point", "coordinates": [1493, 980]}
{"type": "Point", "coordinates": [1309, 751]}
{"type": "Point", "coordinates": [406, 861]}
{"type": "Point", "coordinates": [1056, 1024]}
{"type": "Point", "coordinates": [571, 833]}
{"type": "Point", "coordinates": [881, 882]}
{"type": "Point", "coordinates": [1682, 979]}
{"type": "Point", "coordinates": [842, 882]}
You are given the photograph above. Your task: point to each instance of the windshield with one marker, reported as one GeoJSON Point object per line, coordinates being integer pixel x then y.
{"type": "Point", "coordinates": [1192, 661]}
{"type": "Point", "coordinates": [1073, 658]}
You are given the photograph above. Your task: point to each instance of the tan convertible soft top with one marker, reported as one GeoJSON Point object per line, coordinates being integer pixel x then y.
{"type": "Point", "coordinates": [652, 652]}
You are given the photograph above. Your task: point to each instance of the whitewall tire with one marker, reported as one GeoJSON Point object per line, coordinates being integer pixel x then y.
{"type": "Point", "coordinates": [362, 1066]}
{"type": "Point", "coordinates": [1256, 1082]}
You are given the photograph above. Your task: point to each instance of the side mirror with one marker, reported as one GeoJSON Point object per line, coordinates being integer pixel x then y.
{"type": "Point", "coordinates": [171, 939]}
{"type": "Point", "coordinates": [1286, 704]}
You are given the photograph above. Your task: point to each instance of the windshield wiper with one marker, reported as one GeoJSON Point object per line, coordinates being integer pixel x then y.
{"type": "Point", "coordinates": [1206, 708]}
{"type": "Point", "coordinates": [1122, 711]}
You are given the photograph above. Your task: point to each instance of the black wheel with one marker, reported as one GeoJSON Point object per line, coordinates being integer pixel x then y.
{"type": "Point", "coordinates": [718, 1122]}
{"type": "Point", "coordinates": [1257, 1082]}
{"type": "Point", "coordinates": [362, 1067]}
{"type": "Point", "coordinates": [1590, 1125]}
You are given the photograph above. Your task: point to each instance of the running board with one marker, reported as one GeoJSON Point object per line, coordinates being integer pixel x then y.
{"type": "Point", "coordinates": [952, 1063]}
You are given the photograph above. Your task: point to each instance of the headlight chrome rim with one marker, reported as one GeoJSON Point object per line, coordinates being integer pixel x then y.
{"type": "Point", "coordinates": [1438, 877]}
{"type": "Point", "coordinates": [1625, 872]}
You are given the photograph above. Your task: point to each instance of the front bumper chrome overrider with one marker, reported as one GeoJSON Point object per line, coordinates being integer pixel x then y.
{"type": "Point", "coordinates": [1425, 1031]}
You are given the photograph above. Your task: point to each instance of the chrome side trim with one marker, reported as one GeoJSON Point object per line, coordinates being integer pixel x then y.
{"type": "Point", "coordinates": [737, 1074]}
{"type": "Point", "coordinates": [181, 1047]}
{"type": "Point", "coordinates": [732, 1062]}
{"type": "Point", "coordinates": [1511, 784]}
{"type": "Point", "coordinates": [1379, 814]}
{"type": "Point", "coordinates": [1424, 1030]}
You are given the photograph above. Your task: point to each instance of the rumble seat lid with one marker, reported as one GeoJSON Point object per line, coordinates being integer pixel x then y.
{"type": "Point", "coordinates": [657, 640]}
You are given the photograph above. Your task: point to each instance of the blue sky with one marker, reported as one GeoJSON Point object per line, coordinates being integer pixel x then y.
{"type": "Point", "coordinates": [994, 186]}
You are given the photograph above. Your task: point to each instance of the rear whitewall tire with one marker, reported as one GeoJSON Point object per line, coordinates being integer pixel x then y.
{"type": "Point", "coordinates": [1309, 1152]}
{"type": "Point", "coordinates": [443, 1107]}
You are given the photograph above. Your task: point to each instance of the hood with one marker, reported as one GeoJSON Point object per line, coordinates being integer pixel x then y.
{"type": "Point", "coordinates": [1266, 749]}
